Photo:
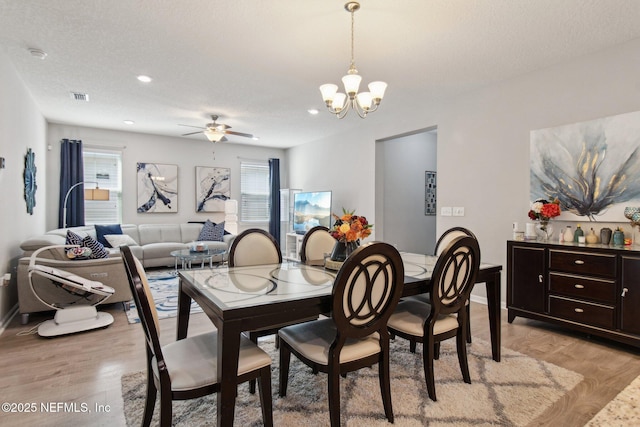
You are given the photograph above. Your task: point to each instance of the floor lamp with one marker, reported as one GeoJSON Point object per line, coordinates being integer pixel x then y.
{"type": "Point", "coordinates": [90, 194]}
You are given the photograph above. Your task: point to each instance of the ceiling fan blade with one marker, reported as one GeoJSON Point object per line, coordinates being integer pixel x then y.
{"type": "Point", "coordinates": [246, 135]}
{"type": "Point", "coordinates": [191, 133]}
{"type": "Point", "coordinates": [197, 127]}
{"type": "Point", "coordinates": [223, 139]}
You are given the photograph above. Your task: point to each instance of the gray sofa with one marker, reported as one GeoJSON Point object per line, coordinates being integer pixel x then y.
{"type": "Point", "coordinates": [155, 242]}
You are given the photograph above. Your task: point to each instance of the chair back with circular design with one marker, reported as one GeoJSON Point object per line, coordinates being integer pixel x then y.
{"type": "Point", "coordinates": [367, 290]}
{"type": "Point", "coordinates": [316, 243]}
{"type": "Point", "coordinates": [449, 235]}
{"type": "Point", "coordinates": [454, 275]}
{"type": "Point", "coordinates": [254, 246]}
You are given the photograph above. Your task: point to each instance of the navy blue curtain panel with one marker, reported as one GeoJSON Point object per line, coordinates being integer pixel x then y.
{"type": "Point", "coordinates": [71, 173]}
{"type": "Point", "coordinates": [274, 208]}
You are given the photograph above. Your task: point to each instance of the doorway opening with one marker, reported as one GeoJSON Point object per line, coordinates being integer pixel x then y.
{"type": "Point", "coordinates": [406, 190]}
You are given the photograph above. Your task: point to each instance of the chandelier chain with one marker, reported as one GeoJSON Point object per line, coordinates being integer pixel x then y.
{"type": "Point", "coordinates": [353, 61]}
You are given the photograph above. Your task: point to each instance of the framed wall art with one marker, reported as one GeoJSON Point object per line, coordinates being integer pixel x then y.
{"type": "Point", "coordinates": [157, 188]}
{"type": "Point", "coordinates": [429, 193]}
{"type": "Point", "coordinates": [592, 167]}
{"type": "Point", "coordinates": [212, 188]}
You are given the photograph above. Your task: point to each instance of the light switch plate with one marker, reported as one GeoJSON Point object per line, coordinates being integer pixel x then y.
{"type": "Point", "coordinates": [445, 211]}
{"type": "Point", "coordinates": [458, 211]}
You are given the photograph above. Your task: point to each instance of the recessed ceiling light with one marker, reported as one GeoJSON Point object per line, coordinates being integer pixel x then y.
{"type": "Point", "coordinates": [144, 79]}
{"type": "Point", "coordinates": [313, 111]}
{"type": "Point", "coordinates": [256, 138]}
{"type": "Point", "coordinates": [129, 122]}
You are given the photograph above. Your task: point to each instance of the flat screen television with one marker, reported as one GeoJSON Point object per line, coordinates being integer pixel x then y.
{"type": "Point", "coordinates": [310, 210]}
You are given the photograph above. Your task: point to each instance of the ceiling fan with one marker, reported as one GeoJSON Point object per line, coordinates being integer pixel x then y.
{"type": "Point", "coordinates": [215, 132]}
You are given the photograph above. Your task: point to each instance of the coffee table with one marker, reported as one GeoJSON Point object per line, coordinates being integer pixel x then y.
{"type": "Point", "coordinates": [187, 256]}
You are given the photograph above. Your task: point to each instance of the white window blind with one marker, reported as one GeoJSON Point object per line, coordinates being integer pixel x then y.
{"type": "Point", "coordinates": [105, 168]}
{"type": "Point", "coordinates": [254, 191]}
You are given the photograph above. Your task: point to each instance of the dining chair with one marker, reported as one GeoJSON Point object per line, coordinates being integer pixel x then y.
{"type": "Point", "coordinates": [441, 244]}
{"type": "Point", "coordinates": [445, 316]}
{"type": "Point", "coordinates": [254, 246]}
{"type": "Point", "coordinates": [316, 243]}
{"type": "Point", "coordinates": [187, 368]}
{"type": "Point", "coordinates": [366, 291]}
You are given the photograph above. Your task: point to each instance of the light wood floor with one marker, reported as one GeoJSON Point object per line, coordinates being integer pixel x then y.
{"type": "Point", "coordinates": [86, 368]}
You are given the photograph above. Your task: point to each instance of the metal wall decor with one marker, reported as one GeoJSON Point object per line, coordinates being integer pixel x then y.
{"type": "Point", "coordinates": [157, 188]}
{"type": "Point", "coordinates": [212, 188]}
{"type": "Point", "coordinates": [430, 193]}
{"type": "Point", "coordinates": [29, 176]}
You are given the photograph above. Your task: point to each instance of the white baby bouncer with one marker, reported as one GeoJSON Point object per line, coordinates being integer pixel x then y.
{"type": "Point", "coordinates": [70, 318]}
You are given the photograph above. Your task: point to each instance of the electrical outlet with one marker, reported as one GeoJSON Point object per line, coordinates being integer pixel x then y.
{"type": "Point", "coordinates": [445, 211]}
{"type": "Point", "coordinates": [458, 211]}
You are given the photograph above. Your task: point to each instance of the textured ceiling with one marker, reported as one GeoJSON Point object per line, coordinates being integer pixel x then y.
{"type": "Point", "coordinates": [258, 64]}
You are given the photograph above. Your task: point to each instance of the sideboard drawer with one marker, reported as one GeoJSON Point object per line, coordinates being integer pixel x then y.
{"type": "Point", "coordinates": [582, 312]}
{"type": "Point", "coordinates": [583, 263]}
{"type": "Point", "coordinates": [598, 290]}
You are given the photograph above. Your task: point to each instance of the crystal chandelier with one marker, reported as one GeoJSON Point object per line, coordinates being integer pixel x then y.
{"type": "Point", "coordinates": [363, 102]}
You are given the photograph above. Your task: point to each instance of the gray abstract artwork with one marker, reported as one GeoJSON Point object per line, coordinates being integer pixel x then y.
{"type": "Point", "coordinates": [592, 167]}
{"type": "Point", "coordinates": [212, 188]}
{"type": "Point", "coordinates": [157, 188]}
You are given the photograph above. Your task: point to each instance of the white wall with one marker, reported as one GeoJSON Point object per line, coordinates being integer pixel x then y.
{"type": "Point", "coordinates": [21, 127]}
{"type": "Point", "coordinates": [400, 194]}
{"type": "Point", "coordinates": [186, 153]}
{"type": "Point", "coordinates": [483, 141]}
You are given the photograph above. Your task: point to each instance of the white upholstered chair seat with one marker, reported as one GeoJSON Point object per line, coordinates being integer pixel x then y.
{"type": "Point", "coordinates": [313, 339]}
{"type": "Point", "coordinates": [410, 316]}
{"type": "Point", "coordinates": [192, 362]}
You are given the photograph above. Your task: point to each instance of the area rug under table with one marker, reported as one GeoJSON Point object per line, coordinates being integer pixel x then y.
{"type": "Point", "coordinates": [510, 393]}
{"type": "Point", "coordinates": [164, 288]}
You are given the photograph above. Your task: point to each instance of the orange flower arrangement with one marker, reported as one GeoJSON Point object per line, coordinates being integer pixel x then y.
{"type": "Point", "coordinates": [543, 210]}
{"type": "Point", "coordinates": [350, 227]}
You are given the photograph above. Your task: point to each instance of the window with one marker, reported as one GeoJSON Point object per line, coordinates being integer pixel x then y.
{"type": "Point", "coordinates": [254, 191]}
{"type": "Point", "coordinates": [105, 168]}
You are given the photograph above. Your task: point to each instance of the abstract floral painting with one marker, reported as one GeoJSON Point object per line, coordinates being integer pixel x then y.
{"type": "Point", "coordinates": [157, 188]}
{"type": "Point", "coordinates": [212, 188]}
{"type": "Point", "coordinates": [592, 167]}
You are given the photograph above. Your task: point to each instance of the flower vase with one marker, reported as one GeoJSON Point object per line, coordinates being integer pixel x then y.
{"type": "Point", "coordinates": [544, 229]}
{"type": "Point", "coordinates": [341, 250]}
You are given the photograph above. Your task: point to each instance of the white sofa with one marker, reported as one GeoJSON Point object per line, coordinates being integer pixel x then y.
{"type": "Point", "coordinates": [155, 242]}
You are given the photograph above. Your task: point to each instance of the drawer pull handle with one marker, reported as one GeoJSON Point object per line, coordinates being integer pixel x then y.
{"type": "Point", "coordinates": [579, 286]}
{"type": "Point", "coordinates": [578, 310]}
{"type": "Point", "coordinates": [624, 292]}
{"type": "Point", "coordinates": [579, 261]}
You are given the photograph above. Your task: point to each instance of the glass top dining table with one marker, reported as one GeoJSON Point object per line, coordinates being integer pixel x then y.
{"type": "Point", "coordinates": [238, 299]}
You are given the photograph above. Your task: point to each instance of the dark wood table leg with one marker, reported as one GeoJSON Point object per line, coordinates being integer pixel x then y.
{"type": "Point", "coordinates": [184, 310]}
{"type": "Point", "coordinates": [228, 353]}
{"type": "Point", "coordinates": [493, 304]}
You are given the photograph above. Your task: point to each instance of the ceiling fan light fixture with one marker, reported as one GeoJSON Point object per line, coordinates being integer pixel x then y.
{"type": "Point", "coordinates": [363, 103]}
{"type": "Point", "coordinates": [213, 135]}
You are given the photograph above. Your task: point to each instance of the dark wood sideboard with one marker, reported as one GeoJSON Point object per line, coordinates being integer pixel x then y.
{"type": "Point", "coordinates": [589, 288]}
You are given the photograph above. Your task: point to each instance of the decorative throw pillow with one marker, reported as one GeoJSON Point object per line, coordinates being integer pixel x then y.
{"type": "Point", "coordinates": [97, 249]}
{"type": "Point", "coordinates": [102, 230]}
{"type": "Point", "coordinates": [211, 232]}
{"type": "Point", "coordinates": [73, 239]}
{"type": "Point", "coordinates": [117, 240]}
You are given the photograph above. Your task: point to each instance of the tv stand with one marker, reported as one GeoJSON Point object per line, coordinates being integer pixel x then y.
{"type": "Point", "coordinates": [292, 246]}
